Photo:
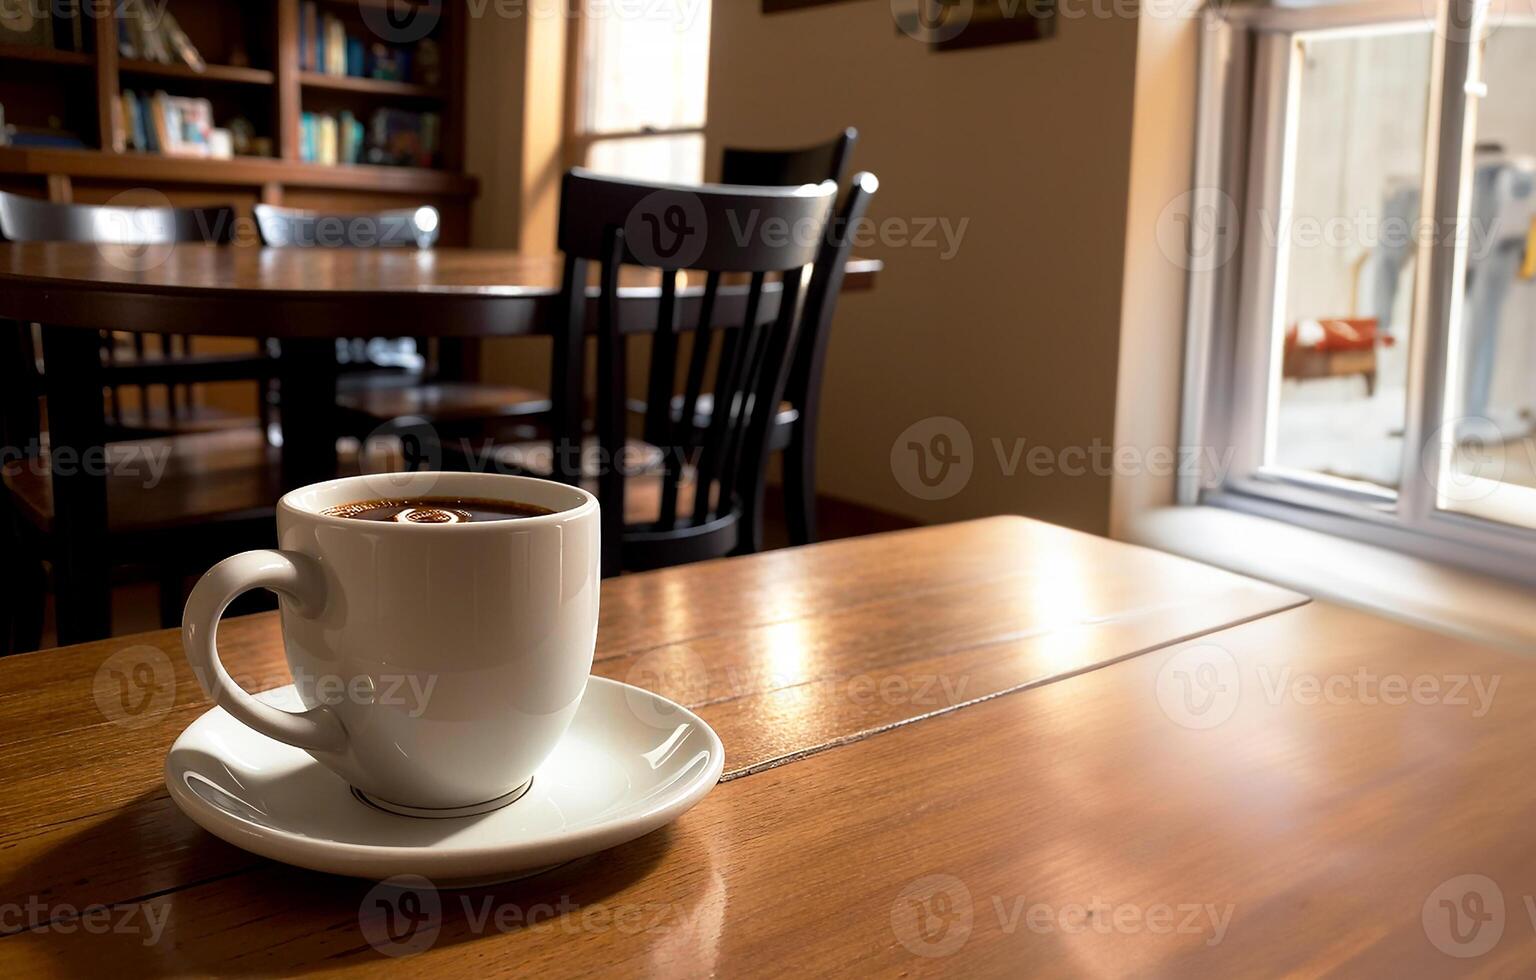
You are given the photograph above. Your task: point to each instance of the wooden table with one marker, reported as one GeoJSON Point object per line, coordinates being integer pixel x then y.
{"type": "Point", "coordinates": [305, 297]}
{"type": "Point", "coordinates": [973, 702]}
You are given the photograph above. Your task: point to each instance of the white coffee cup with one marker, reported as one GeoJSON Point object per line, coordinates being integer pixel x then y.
{"type": "Point", "coordinates": [439, 663]}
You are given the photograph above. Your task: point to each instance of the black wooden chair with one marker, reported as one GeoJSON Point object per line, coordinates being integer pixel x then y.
{"type": "Point", "coordinates": [692, 492]}
{"type": "Point", "coordinates": [216, 488]}
{"type": "Point", "coordinates": [795, 424]}
{"type": "Point", "coordinates": [383, 383]}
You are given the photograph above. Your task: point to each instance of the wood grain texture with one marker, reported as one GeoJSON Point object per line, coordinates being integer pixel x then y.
{"type": "Point", "coordinates": [304, 292]}
{"type": "Point", "coordinates": [787, 654]}
{"type": "Point", "coordinates": [1076, 830]}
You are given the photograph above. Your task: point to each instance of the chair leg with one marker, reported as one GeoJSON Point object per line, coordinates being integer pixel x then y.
{"type": "Point", "coordinates": [23, 593]}
{"type": "Point", "coordinates": [172, 585]}
{"type": "Point", "coordinates": [800, 487]}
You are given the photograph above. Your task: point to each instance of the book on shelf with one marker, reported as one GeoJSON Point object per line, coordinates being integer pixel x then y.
{"type": "Point", "coordinates": [394, 137]}
{"type": "Point", "coordinates": [136, 136]}
{"type": "Point", "coordinates": [20, 24]}
{"type": "Point", "coordinates": [68, 25]}
{"type": "Point", "coordinates": [335, 47]}
{"type": "Point", "coordinates": [401, 138]}
{"type": "Point", "coordinates": [155, 35]}
{"type": "Point", "coordinates": [325, 48]}
{"type": "Point", "coordinates": [309, 29]}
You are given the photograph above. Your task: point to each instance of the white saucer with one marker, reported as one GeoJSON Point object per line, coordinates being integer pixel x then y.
{"type": "Point", "coordinates": [631, 762]}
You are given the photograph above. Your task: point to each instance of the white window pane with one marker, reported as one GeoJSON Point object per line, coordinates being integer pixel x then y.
{"type": "Point", "coordinates": [645, 65]}
{"type": "Point", "coordinates": [1490, 431]}
{"type": "Point", "coordinates": [1348, 243]}
{"type": "Point", "coordinates": [674, 159]}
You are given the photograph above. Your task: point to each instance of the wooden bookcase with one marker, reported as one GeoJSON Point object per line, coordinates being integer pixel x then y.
{"type": "Point", "coordinates": [267, 87]}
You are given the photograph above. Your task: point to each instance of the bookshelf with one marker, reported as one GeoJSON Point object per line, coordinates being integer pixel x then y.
{"type": "Point", "coordinates": [255, 71]}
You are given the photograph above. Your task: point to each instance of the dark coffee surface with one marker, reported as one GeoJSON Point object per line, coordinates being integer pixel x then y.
{"type": "Point", "coordinates": [436, 510]}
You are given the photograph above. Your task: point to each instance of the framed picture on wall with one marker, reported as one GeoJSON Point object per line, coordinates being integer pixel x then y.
{"type": "Point", "coordinates": [779, 6]}
{"type": "Point", "coordinates": [952, 25]}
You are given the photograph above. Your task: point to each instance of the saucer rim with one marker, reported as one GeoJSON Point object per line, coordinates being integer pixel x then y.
{"type": "Point", "coordinates": [510, 854]}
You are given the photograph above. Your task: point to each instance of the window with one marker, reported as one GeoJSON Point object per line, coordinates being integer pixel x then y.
{"type": "Point", "coordinates": [641, 82]}
{"type": "Point", "coordinates": [1362, 252]}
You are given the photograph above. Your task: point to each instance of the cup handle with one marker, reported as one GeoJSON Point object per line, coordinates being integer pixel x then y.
{"type": "Point", "coordinates": [295, 575]}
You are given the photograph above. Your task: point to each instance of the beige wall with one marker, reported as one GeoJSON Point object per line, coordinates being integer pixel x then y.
{"type": "Point", "coordinates": [514, 116]}
{"type": "Point", "coordinates": [1017, 335]}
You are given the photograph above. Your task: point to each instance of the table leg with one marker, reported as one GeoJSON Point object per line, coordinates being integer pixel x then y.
{"type": "Point", "coordinates": [77, 450]}
{"type": "Point", "coordinates": [307, 400]}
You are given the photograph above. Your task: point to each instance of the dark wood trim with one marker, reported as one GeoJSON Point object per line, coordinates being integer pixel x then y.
{"type": "Point", "coordinates": [371, 86]}
{"type": "Point", "coordinates": [212, 73]}
{"type": "Point", "coordinates": [46, 56]}
{"type": "Point", "coordinates": [106, 78]}
{"type": "Point", "coordinates": [246, 171]}
{"type": "Point", "coordinates": [288, 100]}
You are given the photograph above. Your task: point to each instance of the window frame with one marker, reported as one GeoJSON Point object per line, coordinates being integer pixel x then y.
{"type": "Point", "coordinates": [1248, 78]}
{"type": "Point", "coordinates": [579, 139]}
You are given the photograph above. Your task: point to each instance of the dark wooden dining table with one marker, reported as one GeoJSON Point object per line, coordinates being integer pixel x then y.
{"type": "Point", "coordinates": [306, 299]}
{"type": "Point", "coordinates": [914, 724]}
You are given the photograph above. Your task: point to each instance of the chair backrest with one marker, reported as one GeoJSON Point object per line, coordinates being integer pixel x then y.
{"type": "Point", "coordinates": [27, 219]}
{"type": "Point", "coordinates": [294, 227]}
{"type": "Point", "coordinates": [417, 227]}
{"type": "Point", "coordinates": [776, 168]}
{"type": "Point", "coordinates": [724, 233]}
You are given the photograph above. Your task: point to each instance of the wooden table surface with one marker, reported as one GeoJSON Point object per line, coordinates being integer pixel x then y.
{"type": "Point", "coordinates": [877, 698]}
{"type": "Point", "coordinates": [247, 291]}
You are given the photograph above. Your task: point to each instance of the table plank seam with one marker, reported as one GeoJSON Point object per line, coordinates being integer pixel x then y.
{"type": "Point", "coordinates": [146, 897]}
{"type": "Point", "coordinates": [856, 737]}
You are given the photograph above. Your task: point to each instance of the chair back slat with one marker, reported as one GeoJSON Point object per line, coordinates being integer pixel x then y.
{"type": "Point", "coordinates": [689, 438]}
{"type": "Point", "coordinates": [662, 375]}
{"type": "Point", "coordinates": [755, 232]}
{"type": "Point", "coordinates": [567, 372]}
{"type": "Point", "coordinates": [734, 353]}
{"type": "Point", "coordinates": [612, 405]}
